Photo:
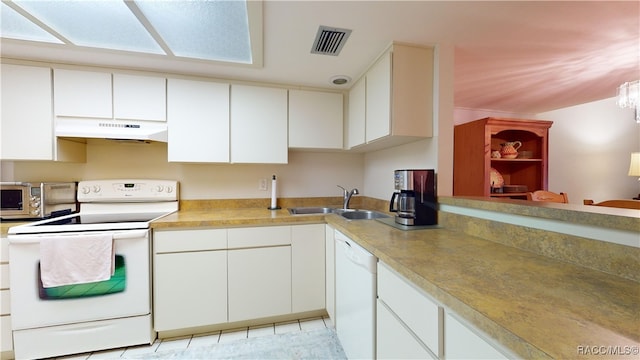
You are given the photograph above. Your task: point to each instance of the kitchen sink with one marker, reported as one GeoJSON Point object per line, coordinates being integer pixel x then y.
{"type": "Point", "coordinates": [360, 214]}
{"type": "Point", "coordinates": [310, 210]}
{"type": "Point", "coordinates": [350, 214]}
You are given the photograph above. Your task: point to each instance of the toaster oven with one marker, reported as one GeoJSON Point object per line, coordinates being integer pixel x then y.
{"type": "Point", "coordinates": [24, 200]}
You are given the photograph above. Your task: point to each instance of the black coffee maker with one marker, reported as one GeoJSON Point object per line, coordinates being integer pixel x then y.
{"type": "Point", "coordinates": [414, 199]}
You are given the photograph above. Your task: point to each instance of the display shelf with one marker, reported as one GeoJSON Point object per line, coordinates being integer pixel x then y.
{"type": "Point", "coordinates": [474, 143]}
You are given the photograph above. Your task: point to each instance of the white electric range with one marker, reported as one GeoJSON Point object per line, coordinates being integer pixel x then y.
{"type": "Point", "coordinates": [68, 319]}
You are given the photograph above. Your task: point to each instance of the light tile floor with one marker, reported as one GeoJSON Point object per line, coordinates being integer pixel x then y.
{"type": "Point", "coordinates": [182, 343]}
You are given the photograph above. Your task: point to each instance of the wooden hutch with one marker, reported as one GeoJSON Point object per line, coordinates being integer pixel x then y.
{"type": "Point", "coordinates": [472, 161]}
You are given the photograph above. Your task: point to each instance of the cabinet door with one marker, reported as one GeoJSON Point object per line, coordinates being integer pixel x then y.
{"type": "Point", "coordinates": [460, 342]}
{"type": "Point", "coordinates": [27, 131]}
{"type": "Point", "coordinates": [307, 267]}
{"type": "Point", "coordinates": [330, 274]}
{"type": "Point", "coordinates": [258, 125]}
{"type": "Point", "coordinates": [394, 340]}
{"type": "Point", "coordinates": [198, 118]}
{"type": "Point", "coordinates": [259, 282]}
{"type": "Point", "coordinates": [357, 114]}
{"type": "Point", "coordinates": [190, 289]}
{"type": "Point", "coordinates": [378, 103]}
{"type": "Point", "coordinates": [315, 120]}
{"type": "Point", "coordinates": [82, 94]}
{"type": "Point", "coordinates": [139, 97]}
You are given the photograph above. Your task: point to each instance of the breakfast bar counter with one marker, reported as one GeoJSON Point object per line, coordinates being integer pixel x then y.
{"type": "Point", "coordinates": [529, 299]}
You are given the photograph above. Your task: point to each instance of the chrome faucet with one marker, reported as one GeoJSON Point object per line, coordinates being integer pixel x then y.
{"type": "Point", "coordinates": [346, 196]}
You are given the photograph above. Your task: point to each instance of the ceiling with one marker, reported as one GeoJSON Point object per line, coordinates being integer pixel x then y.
{"type": "Point", "coordinates": [523, 57]}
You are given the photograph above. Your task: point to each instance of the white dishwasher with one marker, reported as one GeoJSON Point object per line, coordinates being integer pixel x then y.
{"type": "Point", "coordinates": [355, 298]}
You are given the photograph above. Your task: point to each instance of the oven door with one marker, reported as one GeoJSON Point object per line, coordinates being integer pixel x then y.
{"type": "Point", "coordinates": [33, 306]}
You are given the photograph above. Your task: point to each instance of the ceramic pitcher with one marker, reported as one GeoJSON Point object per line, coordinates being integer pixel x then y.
{"type": "Point", "coordinates": [509, 150]}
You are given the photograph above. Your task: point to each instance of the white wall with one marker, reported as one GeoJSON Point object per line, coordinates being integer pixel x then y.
{"type": "Point", "coordinates": [308, 174]}
{"type": "Point", "coordinates": [464, 115]}
{"type": "Point", "coordinates": [590, 146]}
{"type": "Point", "coordinates": [379, 165]}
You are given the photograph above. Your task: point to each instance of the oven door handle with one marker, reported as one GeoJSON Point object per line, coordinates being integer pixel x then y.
{"type": "Point", "coordinates": [35, 239]}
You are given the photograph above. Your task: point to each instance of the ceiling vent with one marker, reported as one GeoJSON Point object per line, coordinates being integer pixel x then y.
{"type": "Point", "coordinates": [329, 41]}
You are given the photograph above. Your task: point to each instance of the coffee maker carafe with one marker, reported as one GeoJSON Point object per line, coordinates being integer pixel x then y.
{"type": "Point", "coordinates": [414, 199]}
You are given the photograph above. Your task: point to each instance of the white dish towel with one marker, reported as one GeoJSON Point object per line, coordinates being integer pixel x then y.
{"type": "Point", "coordinates": [76, 259]}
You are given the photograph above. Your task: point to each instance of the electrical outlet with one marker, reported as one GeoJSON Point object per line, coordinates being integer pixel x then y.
{"type": "Point", "coordinates": [262, 184]}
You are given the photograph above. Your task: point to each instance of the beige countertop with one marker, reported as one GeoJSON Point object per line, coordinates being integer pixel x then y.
{"type": "Point", "coordinates": [5, 225]}
{"type": "Point", "coordinates": [534, 305]}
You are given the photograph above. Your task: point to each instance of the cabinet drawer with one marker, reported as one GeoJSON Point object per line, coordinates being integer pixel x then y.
{"type": "Point", "coordinates": [189, 240]}
{"type": "Point", "coordinates": [463, 342]}
{"type": "Point", "coordinates": [394, 340]}
{"type": "Point", "coordinates": [259, 237]}
{"type": "Point", "coordinates": [5, 302]}
{"type": "Point", "coordinates": [419, 313]}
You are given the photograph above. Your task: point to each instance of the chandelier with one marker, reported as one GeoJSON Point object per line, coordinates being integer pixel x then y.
{"type": "Point", "coordinates": [629, 96]}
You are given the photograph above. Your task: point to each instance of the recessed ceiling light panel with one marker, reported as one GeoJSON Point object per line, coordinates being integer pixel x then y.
{"type": "Point", "coordinates": [16, 26]}
{"type": "Point", "coordinates": [212, 30]}
{"type": "Point", "coordinates": [100, 24]}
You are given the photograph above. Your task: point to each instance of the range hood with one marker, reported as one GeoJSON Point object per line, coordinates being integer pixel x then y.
{"type": "Point", "coordinates": [124, 130]}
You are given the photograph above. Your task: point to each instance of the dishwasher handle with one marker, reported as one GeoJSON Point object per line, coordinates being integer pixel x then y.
{"type": "Point", "coordinates": [358, 255]}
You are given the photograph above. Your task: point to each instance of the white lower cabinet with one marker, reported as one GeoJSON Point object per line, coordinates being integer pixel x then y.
{"type": "Point", "coordinates": [214, 276]}
{"type": "Point", "coordinates": [330, 272]}
{"type": "Point", "coordinates": [413, 325]}
{"type": "Point", "coordinates": [259, 282]}
{"type": "Point", "coordinates": [464, 342]}
{"type": "Point", "coordinates": [259, 272]}
{"type": "Point", "coordinates": [412, 310]}
{"type": "Point", "coordinates": [395, 340]}
{"type": "Point", "coordinates": [307, 267]}
{"type": "Point", "coordinates": [190, 278]}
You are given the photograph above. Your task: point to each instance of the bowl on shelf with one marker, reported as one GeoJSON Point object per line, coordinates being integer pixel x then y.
{"type": "Point", "coordinates": [515, 188]}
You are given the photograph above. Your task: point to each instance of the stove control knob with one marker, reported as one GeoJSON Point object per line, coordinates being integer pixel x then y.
{"type": "Point", "coordinates": [86, 189]}
{"type": "Point", "coordinates": [169, 189]}
{"type": "Point", "coordinates": [96, 188]}
{"type": "Point", "coordinates": [159, 188]}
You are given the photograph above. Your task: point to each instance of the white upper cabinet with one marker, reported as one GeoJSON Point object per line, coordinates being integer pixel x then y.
{"type": "Point", "coordinates": [27, 131]}
{"type": "Point", "coordinates": [258, 125]}
{"type": "Point", "coordinates": [82, 94]}
{"type": "Point", "coordinates": [139, 97]}
{"type": "Point", "coordinates": [398, 105]}
{"type": "Point", "coordinates": [101, 95]}
{"type": "Point", "coordinates": [315, 120]}
{"type": "Point", "coordinates": [356, 114]}
{"type": "Point", "coordinates": [198, 119]}
{"type": "Point", "coordinates": [378, 99]}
